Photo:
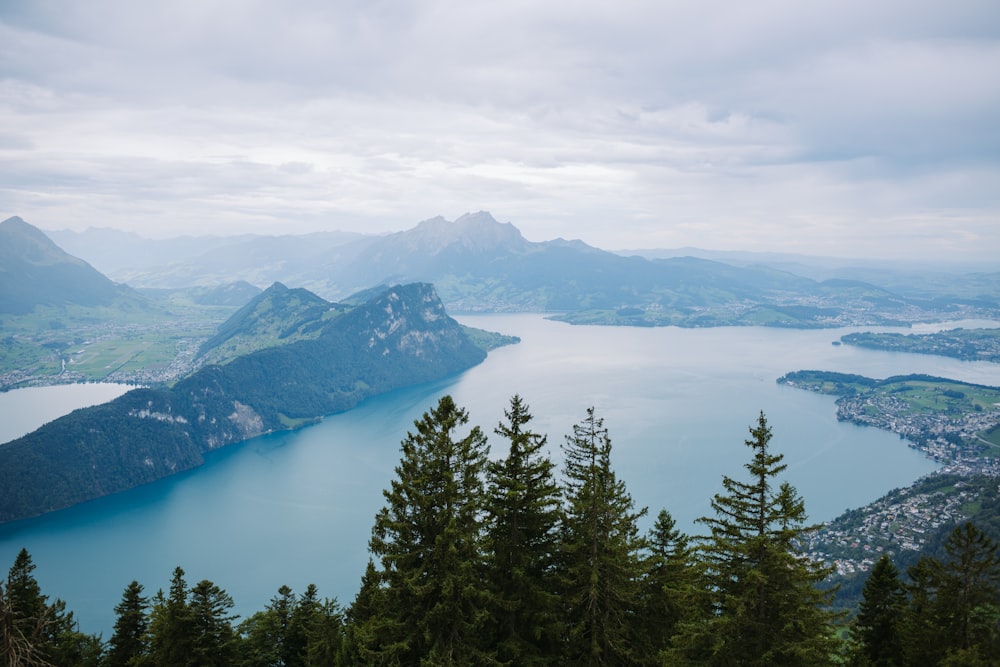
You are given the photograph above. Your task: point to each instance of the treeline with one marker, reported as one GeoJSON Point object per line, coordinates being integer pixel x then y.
{"type": "Point", "coordinates": [505, 562]}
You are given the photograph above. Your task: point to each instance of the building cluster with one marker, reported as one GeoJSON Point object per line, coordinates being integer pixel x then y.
{"type": "Point", "coordinates": [902, 520]}
{"type": "Point", "coordinates": [946, 438]}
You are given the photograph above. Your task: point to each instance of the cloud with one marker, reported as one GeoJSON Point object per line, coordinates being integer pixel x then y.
{"type": "Point", "coordinates": [827, 127]}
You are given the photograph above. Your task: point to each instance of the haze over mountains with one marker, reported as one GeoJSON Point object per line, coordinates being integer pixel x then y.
{"type": "Point", "coordinates": [478, 264]}
{"type": "Point", "coordinates": [34, 270]}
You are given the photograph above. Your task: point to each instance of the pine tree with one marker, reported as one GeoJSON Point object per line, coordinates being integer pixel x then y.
{"type": "Point", "coordinates": [127, 645]}
{"type": "Point", "coordinates": [766, 608]}
{"type": "Point", "coordinates": [601, 564]}
{"type": "Point", "coordinates": [428, 538]}
{"type": "Point", "coordinates": [969, 592]}
{"type": "Point", "coordinates": [325, 640]}
{"type": "Point", "coordinates": [924, 639]}
{"type": "Point", "coordinates": [265, 633]}
{"type": "Point", "coordinates": [667, 591]}
{"type": "Point", "coordinates": [362, 641]}
{"type": "Point", "coordinates": [23, 616]}
{"type": "Point", "coordinates": [877, 628]}
{"type": "Point", "coordinates": [524, 513]}
{"type": "Point", "coordinates": [171, 625]}
{"type": "Point", "coordinates": [213, 642]}
{"type": "Point", "coordinates": [299, 634]}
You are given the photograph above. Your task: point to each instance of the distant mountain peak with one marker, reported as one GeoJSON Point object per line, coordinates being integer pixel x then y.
{"type": "Point", "coordinates": [35, 271]}
{"type": "Point", "coordinates": [30, 244]}
{"type": "Point", "coordinates": [478, 232]}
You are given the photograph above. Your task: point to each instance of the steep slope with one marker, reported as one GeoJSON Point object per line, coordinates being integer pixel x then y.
{"type": "Point", "coordinates": [35, 271]}
{"type": "Point", "coordinates": [276, 316]}
{"type": "Point", "coordinates": [402, 337]}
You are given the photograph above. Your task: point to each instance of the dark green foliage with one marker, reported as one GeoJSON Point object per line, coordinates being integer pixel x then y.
{"type": "Point", "coordinates": [128, 645]}
{"type": "Point", "coordinates": [954, 607]}
{"type": "Point", "coordinates": [487, 563]}
{"type": "Point", "coordinates": [293, 632]}
{"type": "Point", "coordinates": [877, 626]}
{"type": "Point", "coordinates": [523, 519]}
{"type": "Point", "coordinates": [428, 538]}
{"type": "Point", "coordinates": [766, 609]}
{"type": "Point", "coordinates": [970, 589]}
{"type": "Point", "coordinates": [34, 632]}
{"type": "Point", "coordinates": [600, 551]}
{"type": "Point", "coordinates": [668, 593]}
{"type": "Point", "coordinates": [171, 625]}
{"type": "Point", "coordinates": [265, 633]}
{"type": "Point", "coordinates": [924, 641]}
{"type": "Point", "coordinates": [213, 640]}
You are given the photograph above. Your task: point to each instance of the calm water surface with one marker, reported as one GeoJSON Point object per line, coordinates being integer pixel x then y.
{"type": "Point", "coordinates": [24, 410]}
{"type": "Point", "coordinates": [297, 508]}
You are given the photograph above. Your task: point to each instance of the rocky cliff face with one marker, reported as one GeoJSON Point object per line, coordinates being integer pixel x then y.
{"type": "Point", "coordinates": [401, 337]}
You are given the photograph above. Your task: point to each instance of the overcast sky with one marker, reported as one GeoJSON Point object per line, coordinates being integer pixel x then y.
{"type": "Point", "coordinates": [846, 128]}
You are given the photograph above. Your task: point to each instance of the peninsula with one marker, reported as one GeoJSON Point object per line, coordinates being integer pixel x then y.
{"type": "Point", "coordinates": [965, 344]}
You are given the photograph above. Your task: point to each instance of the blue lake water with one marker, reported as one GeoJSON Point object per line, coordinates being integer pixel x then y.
{"type": "Point", "coordinates": [297, 508]}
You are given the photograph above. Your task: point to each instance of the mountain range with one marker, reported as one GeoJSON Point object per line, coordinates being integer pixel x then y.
{"type": "Point", "coordinates": [478, 264]}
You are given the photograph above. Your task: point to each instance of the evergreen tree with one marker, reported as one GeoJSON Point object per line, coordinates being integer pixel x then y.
{"type": "Point", "coordinates": [127, 645]}
{"type": "Point", "coordinates": [213, 642]}
{"type": "Point", "coordinates": [362, 639]}
{"type": "Point", "coordinates": [325, 640]}
{"type": "Point", "coordinates": [969, 592]}
{"type": "Point", "coordinates": [300, 632]}
{"type": "Point", "coordinates": [25, 615]}
{"type": "Point", "coordinates": [601, 564]}
{"type": "Point", "coordinates": [34, 632]}
{"type": "Point", "coordinates": [877, 628]}
{"type": "Point", "coordinates": [428, 538]}
{"type": "Point", "coordinates": [265, 633]}
{"type": "Point", "coordinates": [524, 512]}
{"type": "Point", "coordinates": [171, 625]}
{"type": "Point", "coordinates": [924, 639]}
{"type": "Point", "coordinates": [667, 592]}
{"type": "Point", "coordinates": [766, 608]}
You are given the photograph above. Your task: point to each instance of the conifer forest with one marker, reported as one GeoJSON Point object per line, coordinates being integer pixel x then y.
{"type": "Point", "coordinates": [513, 560]}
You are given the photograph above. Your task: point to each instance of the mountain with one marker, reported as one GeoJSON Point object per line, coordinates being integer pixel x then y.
{"type": "Point", "coordinates": [478, 264]}
{"type": "Point", "coordinates": [35, 271]}
{"type": "Point", "coordinates": [308, 260]}
{"type": "Point", "coordinates": [401, 337]}
{"type": "Point", "coordinates": [276, 316]}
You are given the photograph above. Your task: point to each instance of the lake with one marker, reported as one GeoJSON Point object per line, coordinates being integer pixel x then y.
{"type": "Point", "coordinates": [297, 508]}
{"type": "Point", "coordinates": [24, 410]}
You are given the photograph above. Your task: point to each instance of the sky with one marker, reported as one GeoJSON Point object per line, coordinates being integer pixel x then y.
{"type": "Point", "coordinates": [830, 127]}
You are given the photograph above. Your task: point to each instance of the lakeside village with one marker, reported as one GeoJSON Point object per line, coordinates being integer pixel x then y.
{"type": "Point", "coordinates": [904, 519]}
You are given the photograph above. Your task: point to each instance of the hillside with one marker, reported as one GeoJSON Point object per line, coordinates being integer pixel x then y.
{"type": "Point", "coordinates": [276, 316]}
{"type": "Point", "coordinates": [63, 321]}
{"type": "Point", "coordinates": [34, 271]}
{"type": "Point", "coordinates": [401, 337]}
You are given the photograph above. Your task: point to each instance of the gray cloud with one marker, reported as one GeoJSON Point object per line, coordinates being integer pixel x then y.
{"type": "Point", "coordinates": [846, 127]}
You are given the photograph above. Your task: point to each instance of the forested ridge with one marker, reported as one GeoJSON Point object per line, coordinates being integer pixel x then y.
{"type": "Point", "coordinates": [510, 561]}
{"type": "Point", "coordinates": [399, 337]}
